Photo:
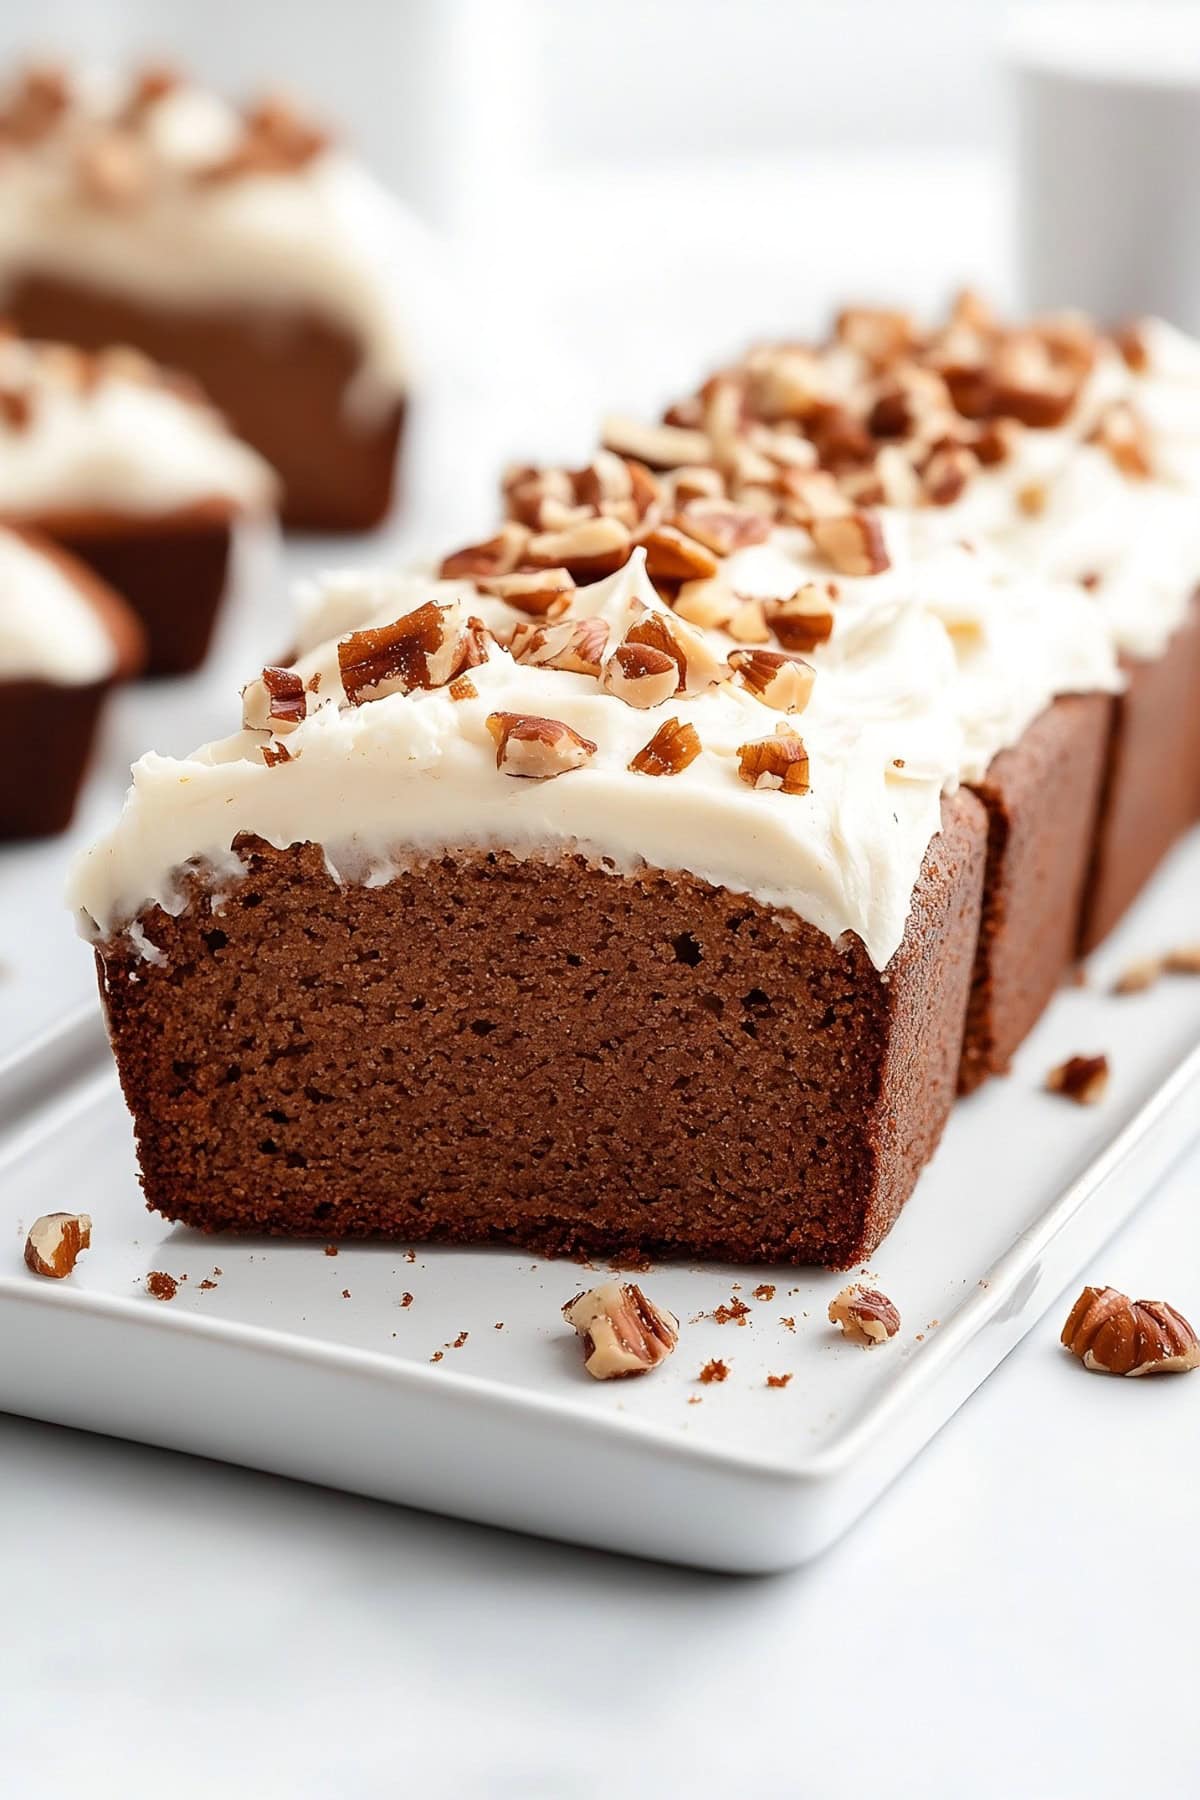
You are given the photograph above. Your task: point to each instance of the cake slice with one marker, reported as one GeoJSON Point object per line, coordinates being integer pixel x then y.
{"type": "Point", "coordinates": [65, 641]}
{"type": "Point", "coordinates": [131, 471]}
{"type": "Point", "coordinates": [243, 248]}
{"type": "Point", "coordinates": [580, 943]}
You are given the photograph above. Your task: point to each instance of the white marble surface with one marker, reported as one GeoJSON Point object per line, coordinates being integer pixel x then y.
{"type": "Point", "coordinates": [1014, 1621]}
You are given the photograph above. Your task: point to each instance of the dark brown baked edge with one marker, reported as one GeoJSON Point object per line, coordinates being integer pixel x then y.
{"type": "Point", "coordinates": [1151, 792]}
{"type": "Point", "coordinates": [280, 375]}
{"type": "Point", "coordinates": [1042, 797]}
{"type": "Point", "coordinates": [542, 1053]}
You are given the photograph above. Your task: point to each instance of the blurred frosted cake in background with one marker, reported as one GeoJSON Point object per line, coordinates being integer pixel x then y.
{"type": "Point", "coordinates": [133, 472]}
{"type": "Point", "coordinates": [65, 641]}
{"type": "Point", "coordinates": [240, 246]}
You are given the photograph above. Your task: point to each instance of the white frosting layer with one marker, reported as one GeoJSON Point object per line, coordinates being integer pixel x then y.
{"type": "Point", "coordinates": [117, 443]}
{"type": "Point", "coordinates": [925, 678]}
{"type": "Point", "coordinates": [48, 631]}
{"type": "Point", "coordinates": [325, 236]}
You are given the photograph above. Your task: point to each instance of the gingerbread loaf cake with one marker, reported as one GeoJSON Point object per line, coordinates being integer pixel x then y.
{"type": "Point", "coordinates": [65, 641]}
{"type": "Point", "coordinates": [131, 471]}
{"type": "Point", "coordinates": [1074, 451]}
{"type": "Point", "coordinates": [241, 247]}
{"type": "Point", "coordinates": [520, 915]}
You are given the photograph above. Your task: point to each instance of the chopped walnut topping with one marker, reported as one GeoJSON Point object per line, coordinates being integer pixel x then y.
{"type": "Point", "coordinates": [425, 649]}
{"type": "Point", "coordinates": [1114, 1335]}
{"type": "Point", "coordinates": [779, 762]}
{"type": "Point", "coordinates": [624, 1333]}
{"type": "Point", "coordinates": [853, 543]}
{"type": "Point", "coordinates": [589, 550]}
{"type": "Point", "coordinates": [55, 1242]}
{"type": "Point", "coordinates": [673, 556]}
{"type": "Point", "coordinates": [497, 556]}
{"type": "Point", "coordinates": [747, 624]}
{"type": "Point", "coordinates": [575, 645]}
{"type": "Point", "coordinates": [657, 446]}
{"type": "Point", "coordinates": [670, 751]}
{"type": "Point", "coordinates": [113, 169]}
{"type": "Point", "coordinates": [276, 702]}
{"type": "Point", "coordinates": [537, 748]}
{"type": "Point", "coordinates": [865, 1315]}
{"type": "Point", "coordinates": [781, 681]}
{"type": "Point", "coordinates": [804, 620]}
{"type": "Point", "coordinates": [543, 593]}
{"type": "Point", "coordinates": [641, 675]}
{"type": "Point", "coordinates": [722, 526]}
{"type": "Point", "coordinates": [1083, 1079]}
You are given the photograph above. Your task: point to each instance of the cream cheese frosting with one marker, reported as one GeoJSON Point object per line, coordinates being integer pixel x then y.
{"type": "Point", "coordinates": [103, 433]}
{"type": "Point", "coordinates": [908, 697]}
{"type": "Point", "coordinates": [48, 630]}
{"type": "Point", "coordinates": [322, 235]}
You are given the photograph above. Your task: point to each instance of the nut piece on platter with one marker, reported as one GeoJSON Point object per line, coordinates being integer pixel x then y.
{"type": "Point", "coordinates": [623, 1332]}
{"type": "Point", "coordinates": [55, 1241]}
{"type": "Point", "coordinates": [1083, 1079]}
{"type": "Point", "coordinates": [865, 1315]}
{"type": "Point", "coordinates": [1114, 1335]}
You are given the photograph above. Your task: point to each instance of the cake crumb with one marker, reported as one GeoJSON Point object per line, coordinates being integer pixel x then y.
{"type": "Point", "coordinates": [218, 1271]}
{"type": "Point", "coordinates": [406, 1299]}
{"type": "Point", "coordinates": [736, 1311]}
{"type": "Point", "coordinates": [695, 1399]}
{"type": "Point", "coordinates": [765, 1290]}
{"type": "Point", "coordinates": [715, 1370]}
{"type": "Point", "coordinates": [788, 1322]}
{"type": "Point", "coordinates": [345, 1293]}
{"type": "Point", "coordinates": [778, 1381]}
{"type": "Point", "coordinates": [459, 1341]}
{"type": "Point", "coordinates": [1083, 1079]}
{"type": "Point", "coordinates": [410, 1256]}
{"type": "Point", "coordinates": [437, 1356]}
{"type": "Point", "coordinates": [499, 1325]}
{"type": "Point", "coordinates": [161, 1285]}
{"type": "Point", "coordinates": [206, 1284]}
{"type": "Point", "coordinates": [331, 1249]}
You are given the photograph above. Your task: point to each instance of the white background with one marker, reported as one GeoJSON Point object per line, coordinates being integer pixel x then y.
{"type": "Point", "coordinates": [628, 191]}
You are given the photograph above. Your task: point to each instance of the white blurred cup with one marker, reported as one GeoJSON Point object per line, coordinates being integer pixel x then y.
{"type": "Point", "coordinates": [1108, 158]}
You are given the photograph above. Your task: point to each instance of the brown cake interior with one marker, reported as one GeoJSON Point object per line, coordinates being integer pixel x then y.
{"type": "Point", "coordinates": [280, 377]}
{"type": "Point", "coordinates": [544, 1053]}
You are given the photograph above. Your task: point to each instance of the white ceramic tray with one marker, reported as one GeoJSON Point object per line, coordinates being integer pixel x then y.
{"type": "Point", "coordinates": [313, 1366]}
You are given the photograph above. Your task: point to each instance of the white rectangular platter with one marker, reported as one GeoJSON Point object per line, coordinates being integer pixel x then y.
{"type": "Point", "coordinates": [470, 1397]}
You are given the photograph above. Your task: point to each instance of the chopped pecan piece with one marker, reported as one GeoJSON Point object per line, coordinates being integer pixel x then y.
{"type": "Point", "coordinates": [1131, 342]}
{"type": "Point", "coordinates": [672, 748]}
{"type": "Point", "coordinates": [497, 556]}
{"type": "Point", "coordinates": [275, 753]}
{"type": "Point", "coordinates": [1114, 1335]}
{"type": "Point", "coordinates": [804, 620]}
{"type": "Point", "coordinates": [113, 169]}
{"type": "Point", "coordinates": [593, 548]}
{"type": "Point", "coordinates": [698, 666]}
{"type": "Point", "coordinates": [947, 473]}
{"type": "Point", "coordinates": [1122, 432]}
{"type": "Point", "coordinates": [424, 649]}
{"type": "Point", "coordinates": [854, 543]}
{"type": "Point", "coordinates": [747, 623]}
{"type": "Point", "coordinates": [641, 675]}
{"type": "Point", "coordinates": [865, 1316]}
{"type": "Point", "coordinates": [1183, 961]}
{"type": "Point", "coordinates": [877, 333]}
{"type": "Point", "coordinates": [781, 681]}
{"type": "Point", "coordinates": [657, 446]}
{"type": "Point", "coordinates": [285, 697]}
{"type": "Point", "coordinates": [36, 106]}
{"type": "Point", "coordinates": [55, 1241]}
{"type": "Point", "coordinates": [696, 481]}
{"type": "Point", "coordinates": [527, 491]}
{"type": "Point", "coordinates": [721, 525]}
{"type": "Point", "coordinates": [673, 556]}
{"type": "Point", "coordinates": [1083, 1079]}
{"type": "Point", "coordinates": [779, 762]}
{"type": "Point", "coordinates": [16, 408]}
{"type": "Point", "coordinates": [537, 748]}
{"type": "Point", "coordinates": [623, 1331]}
{"type": "Point", "coordinates": [706, 603]}
{"type": "Point", "coordinates": [575, 645]}
{"type": "Point", "coordinates": [542, 593]}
